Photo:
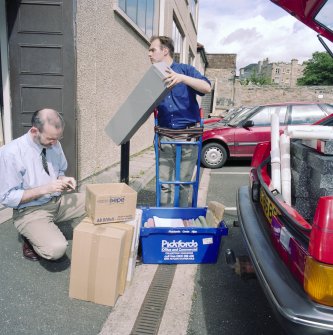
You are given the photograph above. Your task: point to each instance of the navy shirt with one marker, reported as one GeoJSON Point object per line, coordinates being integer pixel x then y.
{"type": "Point", "coordinates": [180, 107]}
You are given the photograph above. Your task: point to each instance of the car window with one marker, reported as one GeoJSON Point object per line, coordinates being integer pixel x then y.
{"type": "Point", "coordinates": [263, 117]}
{"type": "Point", "coordinates": [304, 114]}
{"type": "Point", "coordinates": [241, 116]}
{"type": "Point", "coordinates": [328, 108]}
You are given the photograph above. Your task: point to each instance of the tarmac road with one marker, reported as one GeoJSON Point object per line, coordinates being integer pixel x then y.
{"type": "Point", "coordinates": [224, 303]}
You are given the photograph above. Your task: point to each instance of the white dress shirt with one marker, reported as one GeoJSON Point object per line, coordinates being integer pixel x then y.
{"type": "Point", "coordinates": [21, 169]}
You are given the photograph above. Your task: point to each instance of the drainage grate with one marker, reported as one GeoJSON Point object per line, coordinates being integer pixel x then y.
{"type": "Point", "coordinates": [151, 312]}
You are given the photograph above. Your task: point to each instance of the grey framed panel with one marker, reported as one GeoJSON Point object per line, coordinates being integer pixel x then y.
{"type": "Point", "coordinates": [40, 18]}
{"type": "Point", "coordinates": [33, 59]}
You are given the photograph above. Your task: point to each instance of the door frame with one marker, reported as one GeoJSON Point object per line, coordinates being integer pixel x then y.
{"type": "Point", "coordinates": [7, 118]}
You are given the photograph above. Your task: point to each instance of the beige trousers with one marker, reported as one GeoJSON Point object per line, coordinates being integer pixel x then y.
{"type": "Point", "coordinates": [38, 223]}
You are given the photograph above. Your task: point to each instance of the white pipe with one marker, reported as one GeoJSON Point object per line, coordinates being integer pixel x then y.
{"type": "Point", "coordinates": [275, 152]}
{"type": "Point", "coordinates": [318, 134]}
{"type": "Point", "coordinates": [285, 168]}
{"type": "Point", "coordinates": [308, 128]}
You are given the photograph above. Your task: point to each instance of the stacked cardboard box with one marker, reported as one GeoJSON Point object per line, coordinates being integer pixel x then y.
{"type": "Point", "coordinates": [104, 255]}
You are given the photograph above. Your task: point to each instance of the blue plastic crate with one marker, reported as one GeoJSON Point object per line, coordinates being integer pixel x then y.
{"type": "Point", "coordinates": [185, 245]}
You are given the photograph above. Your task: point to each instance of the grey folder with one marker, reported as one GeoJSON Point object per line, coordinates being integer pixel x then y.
{"type": "Point", "coordinates": [139, 105]}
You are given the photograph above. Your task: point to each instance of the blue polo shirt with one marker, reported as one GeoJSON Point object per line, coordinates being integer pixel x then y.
{"type": "Point", "coordinates": [180, 107]}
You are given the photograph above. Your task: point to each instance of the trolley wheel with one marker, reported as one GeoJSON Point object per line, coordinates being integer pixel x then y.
{"type": "Point", "coordinates": [213, 155]}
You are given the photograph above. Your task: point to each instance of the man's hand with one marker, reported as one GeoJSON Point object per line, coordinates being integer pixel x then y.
{"type": "Point", "coordinates": [173, 78]}
{"type": "Point", "coordinates": [69, 182]}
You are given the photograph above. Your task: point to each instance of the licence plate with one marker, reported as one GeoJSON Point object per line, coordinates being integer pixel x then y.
{"type": "Point", "coordinates": [267, 206]}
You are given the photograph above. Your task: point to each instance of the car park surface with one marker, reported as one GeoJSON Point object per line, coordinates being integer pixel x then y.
{"type": "Point", "coordinates": [239, 137]}
{"type": "Point", "coordinates": [289, 241]}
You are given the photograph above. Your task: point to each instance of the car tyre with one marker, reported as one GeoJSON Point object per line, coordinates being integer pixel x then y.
{"type": "Point", "coordinates": [213, 155]}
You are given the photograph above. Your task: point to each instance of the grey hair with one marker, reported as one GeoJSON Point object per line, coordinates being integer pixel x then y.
{"type": "Point", "coordinates": [46, 115]}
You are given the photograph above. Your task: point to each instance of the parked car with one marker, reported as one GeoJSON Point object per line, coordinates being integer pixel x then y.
{"type": "Point", "coordinates": [239, 137]}
{"type": "Point", "coordinates": [212, 120]}
{"type": "Point", "coordinates": [291, 245]}
{"type": "Point", "coordinates": [216, 122]}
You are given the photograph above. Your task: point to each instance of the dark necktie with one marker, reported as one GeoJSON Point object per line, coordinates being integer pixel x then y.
{"type": "Point", "coordinates": [46, 168]}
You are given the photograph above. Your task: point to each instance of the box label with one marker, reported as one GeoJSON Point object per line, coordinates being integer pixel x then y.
{"type": "Point", "coordinates": [111, 200]}
{"type": "Point", "coordinates": [118, 218]}
{"type": "Point", "coordinates": [207, 240]}
{"type": "Point", "coordinates": [179, 250]}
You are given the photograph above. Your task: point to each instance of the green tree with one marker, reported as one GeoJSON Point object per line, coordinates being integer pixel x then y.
{"type": "Point", "coordinates": [257, 79]}
{"type": "Point", "coordinates": [318, 70]}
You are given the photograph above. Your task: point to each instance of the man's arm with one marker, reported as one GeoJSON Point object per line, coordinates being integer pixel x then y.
{"type": "Point", "coordinates": [59, 185]}
{"type": "Point", "coordinates": [175, 78]}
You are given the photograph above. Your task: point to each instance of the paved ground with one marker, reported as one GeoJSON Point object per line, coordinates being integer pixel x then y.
{"type": "Point", "coordinates": [34, 295]}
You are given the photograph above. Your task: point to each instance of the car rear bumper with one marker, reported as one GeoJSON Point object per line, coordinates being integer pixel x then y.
{"type": "Point", "coordinates": [296, 312]}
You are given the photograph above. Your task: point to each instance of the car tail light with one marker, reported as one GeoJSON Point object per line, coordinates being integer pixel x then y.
{"type": "Point", "coordinates": [318, 281]}
{"type": "Point", "coordinates": [321, 237]}
{"type": "Point", "coordinates": [318, 273]}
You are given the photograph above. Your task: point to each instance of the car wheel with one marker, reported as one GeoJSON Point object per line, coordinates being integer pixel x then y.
{"type": "Point", "coordinates": [213, 155]}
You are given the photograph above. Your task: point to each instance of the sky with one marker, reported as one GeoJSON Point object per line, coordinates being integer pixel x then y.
{"type": "Point", "coordinates": [254, 30]}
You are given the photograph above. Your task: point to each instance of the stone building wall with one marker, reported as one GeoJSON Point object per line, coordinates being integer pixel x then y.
{"type": "Point", "coordinates": [222, 69]}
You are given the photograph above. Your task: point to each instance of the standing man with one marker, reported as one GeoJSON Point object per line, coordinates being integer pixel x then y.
{"type": "Point", "coordinates": [32, 169]}
{"type": "Point", "coordinates": [179, 110]}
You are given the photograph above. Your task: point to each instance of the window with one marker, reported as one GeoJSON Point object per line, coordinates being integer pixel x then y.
{"type": "Point", "coordinates": [305, 114]}
{"type": "Point", "coordinates": [141, 12]}
{"type": "Point", "coordinates": [193, 9]}
{"type": "Point", "coordinates": [277, 70]}
{"type": "Point", "coordinates": [178, 41]}
{"type": "Point", "coordinates": [324, 16]}
{"type": "Point", "coordinates": [263, 117]}
{"type": "Point", "coordinates": [190, 57]}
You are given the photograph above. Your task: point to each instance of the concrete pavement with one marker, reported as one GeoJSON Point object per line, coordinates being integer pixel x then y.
{"type": "Point", "coordinates": [34, 296]}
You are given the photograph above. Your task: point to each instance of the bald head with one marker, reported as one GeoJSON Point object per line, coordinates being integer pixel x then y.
{"type": "Point", "coordinates": [47, 127]}
{"type": "Point", "coordinates": [47, 116]}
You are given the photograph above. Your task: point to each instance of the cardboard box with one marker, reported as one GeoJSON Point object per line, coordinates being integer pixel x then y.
{"type": "Point", "coordinates": [139, 105]}
{"type": "Point", "coordinates": [183, 245]}
{"type": "Point", "coordinates": [114, 202]}
{"type": "Point", "coordinates": [128, 229]}
{"type": "Point", "coordinates": [96, 263]}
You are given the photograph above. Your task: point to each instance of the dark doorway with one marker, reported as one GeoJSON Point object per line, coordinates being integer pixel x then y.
{"type": "Point", "coordinates": [42, 65]}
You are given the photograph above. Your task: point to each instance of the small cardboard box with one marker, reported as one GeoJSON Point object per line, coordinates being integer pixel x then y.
{"type": "Point", "coordinates": [115, 202]}
{"type": "Point", "coordinates": [97, 255]}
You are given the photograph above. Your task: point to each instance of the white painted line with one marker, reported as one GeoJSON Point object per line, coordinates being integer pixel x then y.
{"type": "Point", "coordinates": [230, 208]}
{"type": "Point", "coordinates": [230, 172]}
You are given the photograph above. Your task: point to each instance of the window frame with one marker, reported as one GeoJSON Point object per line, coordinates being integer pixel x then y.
{"type": "Point", "coordinates": [134, 25]}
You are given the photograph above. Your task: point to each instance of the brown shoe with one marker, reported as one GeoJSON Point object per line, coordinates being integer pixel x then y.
{"type": "Point", "coordinates": [28, 251]}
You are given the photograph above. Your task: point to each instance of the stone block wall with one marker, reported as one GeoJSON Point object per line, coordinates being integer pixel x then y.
{"type": "Point", "coordinates": [311, 178]}
{"type": "Point", "coordinates": [252, 95]}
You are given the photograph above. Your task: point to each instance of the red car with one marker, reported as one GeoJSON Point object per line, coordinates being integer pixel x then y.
{"type": "Point", "coordinates": [290, 239]}
{"type": "Point", "coordinates": [239, 137]}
